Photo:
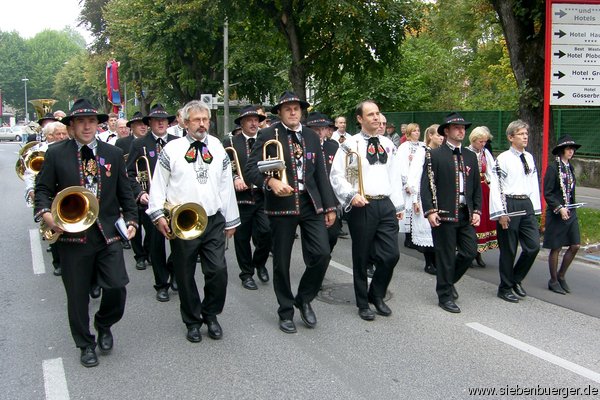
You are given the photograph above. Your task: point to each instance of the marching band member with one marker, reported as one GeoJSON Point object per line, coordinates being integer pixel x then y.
{"type": "Point", "coordinates": [373, 213]}
{"type": "Point", "coordinates": [307, 200]}
{"type": "Point", "coordinates": [196, 168]}
{"type": "Point", "coordinates": [451, 197]}
{"type": "Point", "coordinates": [340, 134]}
{"type": "Point", "coordinates": [514, 188]}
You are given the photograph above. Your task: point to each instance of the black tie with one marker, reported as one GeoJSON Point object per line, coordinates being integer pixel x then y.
{"type": "Point", "coordinates": [456, 152]}
{"type": "Point", "coordinates": [375, 151]}
{"type": "Point", "coordinates": [160, 143]}
{"type": "Point", "coordinates": [86, 153]}
{"type": "Point", "coordinates": [525, 166]}
{"type": "Point", "coordinates": [251, 143]}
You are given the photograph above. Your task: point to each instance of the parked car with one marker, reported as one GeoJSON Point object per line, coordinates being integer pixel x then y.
{"type": "Point", "coordinates": [15, 133]}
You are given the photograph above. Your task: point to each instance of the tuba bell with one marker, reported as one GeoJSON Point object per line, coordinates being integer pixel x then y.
{"type": "Point", "coordinates": [42, 106]}
{"type": "Point", "coordinates": [20, 166]}
{"type": "Point", "coordinates": [74, 209]}
{"type": "Point", "coordinates": [34, 160]}
{"type": "Point", "coordinates": [143, 175]}
{"type": "Point", "coordinates": [187, 221]}
{"type": "Point", "coordinates": [235, 161]}
{"type": "Point", "coordinates": [354, 170]}
{"type": "Point", "coordinates": [274, 166]}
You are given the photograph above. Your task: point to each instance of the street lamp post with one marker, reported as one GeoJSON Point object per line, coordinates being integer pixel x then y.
{"type": "Point", "coordinates": [26, 113]}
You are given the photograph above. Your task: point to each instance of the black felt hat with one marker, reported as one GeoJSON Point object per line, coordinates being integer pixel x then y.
{"type": "Point", "coordinates": [288, 97]}
{"type": "Point", "coordinates": [249, 111]}
{"type": "Point", "coordinates": [158, 111]}
{"type": "Point", "coordinates": [318, 119]}
{"type": "Point", "coordinates": [137, 116]}
{"type": "Point", "coordinates": [563, 142]}
{"type": "Point", "coordinates": [83, 108]}
{"type": "Point", "coordinates": [452, 119]}
{"type": "Point", "coordinates": [48, 117]}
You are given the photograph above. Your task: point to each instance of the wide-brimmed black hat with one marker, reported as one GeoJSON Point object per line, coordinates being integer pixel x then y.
{"type": "Point", "coordinates": [137, 116]}
{"type": "Point", "coordinates": [47, 117]}
{"type": "Point", "coordinates": [83, 108]}
{"type": "Point", "coordinates": [563, 142]}
{"type": "Point", "coordinates": [452, 118]}
{"type": "Point", "coordinates": [158, 111]}
{"type": "Point", "coordinates": [249, 111]}
{"type": "Point", "coordinates": [288, 97]}
{"type": "Point", "coordinates": [318, 119]}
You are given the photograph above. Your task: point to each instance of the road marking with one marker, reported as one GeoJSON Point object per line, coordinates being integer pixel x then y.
{"type": "Point", "coordinates": [341, 267]}
{"type": "Point", "coordinates": [55, 382]}
{"type": "Point", "coordinates": [551, 358]}
{"type": "Point", "coordinates": [36, 252]}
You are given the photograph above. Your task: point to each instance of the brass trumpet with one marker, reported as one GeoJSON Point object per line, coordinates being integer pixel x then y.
{"type": "Point", "coordinates": [235, 161]}
{"type": "Point", "coordinates": [143, 176]}
{"type": "Point", "coordinates": [187, 221]}
{"type": "Point", "coordinates": [274, 166]}
{"type": "Point", "coordinates": [74, 209]}
{"type": "Point", "coordinates": [354, 171]}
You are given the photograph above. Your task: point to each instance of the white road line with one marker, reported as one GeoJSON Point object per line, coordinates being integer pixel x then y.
{"type": "Point", "coordinates": [55, 381]}
{"type": "Point", "coordinates": [551, 358]}
{"type": "Point", "coordinates": [36, 252]}
{"type": "Point", "coordinates": [340, 267]}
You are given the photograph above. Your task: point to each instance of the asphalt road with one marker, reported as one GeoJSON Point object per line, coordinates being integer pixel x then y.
{"type": "Point", "coordinates": [546, 342]}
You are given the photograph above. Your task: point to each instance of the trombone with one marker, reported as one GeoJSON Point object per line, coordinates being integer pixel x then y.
{"type": "Point", "coordinates": [235, 162]}
{"type": "Point", "coordinates": [187, 221]}
{"type": "Point", "coordinates": [74, 209]}
{"type": "Point", "coordinates": [354, 171]}
{"type": "Point", "coordinates": [274, 166]}
{"type": "Point", "coordinates": [144, 175]}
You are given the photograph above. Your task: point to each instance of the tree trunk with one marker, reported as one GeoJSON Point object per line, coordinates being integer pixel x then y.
{"type": "Point", "coordinates": [297, 73]}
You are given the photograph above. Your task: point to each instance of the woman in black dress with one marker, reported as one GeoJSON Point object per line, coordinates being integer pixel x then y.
{"type": "Point", "coordinates": [562, 225]}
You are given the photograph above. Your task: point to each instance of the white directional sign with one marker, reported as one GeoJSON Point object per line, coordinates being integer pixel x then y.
{"type": "Point", "coordinates": [575, 79]}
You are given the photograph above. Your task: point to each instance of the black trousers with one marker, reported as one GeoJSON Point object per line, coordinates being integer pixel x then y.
{"type": "Point", "coordinates": [455, 249]}
{"type": "Point", "coordinates": [82, 264]}
{"type": "Point", "coordinates": [161, 266]}
{"type": "Point", "coordinates": [141, 242]}
{"type": "Point", "coordinates": [523, 230]}
{"type": "Point", "coordinates": [55, 256]}
{"type": "Point", "coordinates": [315, 252]}
{"type": "Point", "coordinates": [374, 232]}
{"type": "Point", "coordinates": [254, 227]}
{"type": "Point", "coordinates": [333, 232]}
{"type": "Point", "coordinates": [211, 247]}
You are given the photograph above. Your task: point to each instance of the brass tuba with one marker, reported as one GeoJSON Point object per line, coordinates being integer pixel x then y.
{"type": "Point", "coordinates": [34, 160]}
{"type": "Point", "coordinates": [21, 166]}
{"type": "Point", "coordinates": [235, 161]}
{"type": "Point", "coordinates": [143, 176]}
{"type": "Point", "coordinates": [187, 221]}
{"type": "Point", "coordinates": [42, 106]}
{"type": "Point", "coordinates": [74, 209]}
{"type": "Point", "coordinates": [274, 166]}
{"type": "Point", "coordinates": [354, 171]}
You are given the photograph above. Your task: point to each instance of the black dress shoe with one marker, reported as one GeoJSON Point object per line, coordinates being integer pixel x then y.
{"type": "Point", "coordinates": [519, 290]}
{"type": "Point", "coordinates": [454, 293]}
{"type": "Point", "coordinates": [193, 334]}
{"type": "Point", "coordinates": [556, 288]}
{"type": "Point", "coordinates": [214, 329]}
{"type": "Point", "coordinates": [563, 284]}
{"type": "Point", "coordinates": [105, 340]}
{"type": "Point", "coordinates": [430, 269]}
{"type": "Point", "coordinates": [126, 245]}
{"type": "Point", "coordinates": [370, 271]}
{"type": "Point", "coordinates": [162, 295]}
{"type": "Point", "coordinates": [480, 261]}
{"type": "Point", "coordinates": [380, 307]}
{"type": "Point", "coordinates": [307, 314]}
{"type": "Point", "coordinates": [88, 357]}
{"type": "Point", "coordinates": [449, 306]}
{"type": "Point", "coordinates": [508, 296]}
{"type": "Point", "coordinates": [287, 326]}
{"type": "Point", "coordinates": [366, 313]}
{"type": "Point", "coordinates": [174, 286]}
{"type": "Point", "coordinates": [95, 292]}
{"type": "Point", "coordinates": [140, 265]}
{"type": "Point", "coordinates": [343, 234]}
{"type": "Point", "coordinates": [57, 271]}
{"type": "Point", "coordinates": [49, 248]}
{"type": "Point", "coordinates": [249, 284]}
{"type": "Point", "coordinates": [263, 274]}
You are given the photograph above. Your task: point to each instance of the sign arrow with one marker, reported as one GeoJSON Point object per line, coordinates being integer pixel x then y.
{"type": "Point", "coordinates": [559, 75]}
{"type": "Point", "coordinates": [559, 34]}
{"type": "Point", "coordinates": [558, 95]}
{"type": "Point", "coordinates": [560, 14]}
{"type": "Point", "coordinates": [560, 54]}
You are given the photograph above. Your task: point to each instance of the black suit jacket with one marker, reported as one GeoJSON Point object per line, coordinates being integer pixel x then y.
{"type": "Point", "coordinates": [552, 191]}
{"type": "Point", "coordinates": [447, 184]}
{"type": "Point", "coordinates": [62, 168]}
{"type": "Point", "coordinates": [137, 150]}
{"type": "Point", "coordinates": [124, 143]}
{"type": "Point", "coordinates": [238, 142]}
{"type": "Point", "coordinates": [330, 147]}
{"type": "Point", "coordinates": [316, 181]}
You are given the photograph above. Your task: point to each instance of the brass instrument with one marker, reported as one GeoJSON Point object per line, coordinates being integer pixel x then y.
{"type": "Point", "coordinates": [34, 160]}
{"type": "Point", "coordinates": [187, 221]}
{"type": "Point", "coordinates": [21, 165]}
{"type": "Point", "coordinates": [354, 170]}
{"type": "Point", "coordinates": [42, 106]}
{"type": "Point", "coordinates": [20, 168]}
{"type": "Point", "coordinates": [235, 161]}
{"type": "Point", "coordinates": [144, 176]}
{"type": "Point", "coordinates": [74, 209]}
{"type": "Point", "coordinates": [275, 166]}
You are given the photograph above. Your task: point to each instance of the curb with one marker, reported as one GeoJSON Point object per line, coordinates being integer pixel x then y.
{"type": "Point", "coordinates": [588, 254]}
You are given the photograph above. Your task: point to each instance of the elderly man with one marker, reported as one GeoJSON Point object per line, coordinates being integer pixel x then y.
{"type": "Point", "coordinates": [340, 134]}
{"type": "Point", "coordinates": [177, 129]}
{"type": "Point", "coordinates": [250, 199]}
{"type": "Point", "coordinates": [300, 195]}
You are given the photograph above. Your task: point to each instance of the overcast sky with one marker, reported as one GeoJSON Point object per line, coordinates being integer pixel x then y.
{"type": "Point", "coordinates": [28, 17]}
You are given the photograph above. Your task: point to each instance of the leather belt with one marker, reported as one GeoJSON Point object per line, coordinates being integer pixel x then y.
{"type": "Point", "coordinates": [377, 197]}
{"type": "Point", "coordinates": [517, 196]}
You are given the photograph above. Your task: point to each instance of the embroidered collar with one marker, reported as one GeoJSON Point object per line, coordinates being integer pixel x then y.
{"type": "Point", "coordinates": [452, 147]}
{"type": "Point", "coordinates": [163, 137]}
{"type": "Point", "coordinates": [516, 152]}
{"type": "Point", "coordinates": [92, 145]}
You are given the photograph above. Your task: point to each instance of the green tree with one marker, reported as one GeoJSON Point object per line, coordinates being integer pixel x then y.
{"type": "Point", "coordinates": [13, 68]}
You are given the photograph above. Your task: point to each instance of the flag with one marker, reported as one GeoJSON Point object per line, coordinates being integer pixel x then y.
{"type": "Point", "coordinates": [112, 84]}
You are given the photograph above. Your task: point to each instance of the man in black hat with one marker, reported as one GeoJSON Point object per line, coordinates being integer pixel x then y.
{"type": "Point", "coordinates": [304, 198]}
{"type": "Point", "coordinates": [451, 197]}
{"type": "Point", "coordinates": [514, 187]}
{"type": "Point", "coordinates": [96, 254]}
{"type": "Point", "coordinates": [250, 199]}
{"type": "Point", "coordinates": [150, 146]}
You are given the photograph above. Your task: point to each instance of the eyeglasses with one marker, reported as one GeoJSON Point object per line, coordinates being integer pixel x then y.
{"type": "Point", "coordinates": [521, 134]}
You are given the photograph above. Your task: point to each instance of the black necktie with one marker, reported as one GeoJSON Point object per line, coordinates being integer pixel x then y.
{"type": "Point", "coordinates": [525, 166]}
{"type": "Point", "coordinates": [251, 143]}
{"type": "Point", "coordinates": [375, 151]}
{"type": "Point", "coordinates": [86, 153]}
{"type": "Point", "coordinates": [88, 160]}
{"type": "Point", "coordinates": [112, 135]}
{"type": "Point", "coordinates": [456, 152]}
{"type": "Point", "coordinates": [160, 143]}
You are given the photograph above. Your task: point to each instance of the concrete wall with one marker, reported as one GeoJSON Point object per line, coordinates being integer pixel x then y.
{"type": "Point", "coordinates": [587, 172]}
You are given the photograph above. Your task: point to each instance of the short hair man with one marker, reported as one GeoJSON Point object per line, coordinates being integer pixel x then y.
{"type": "Point", "coordinates": [340, 135]}
{"type": "Point", "coordinates": [178, 129]}
{"type": "Point", "coordinates": [110, 135]}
